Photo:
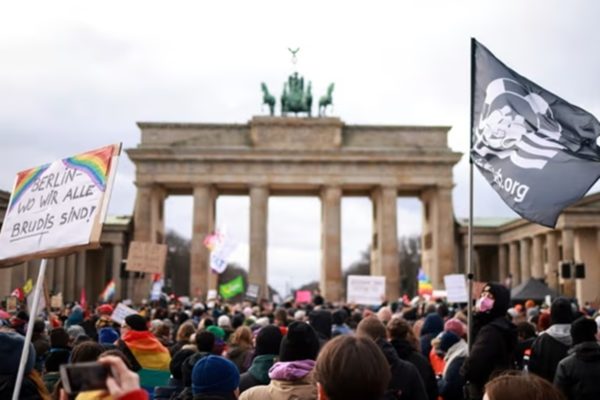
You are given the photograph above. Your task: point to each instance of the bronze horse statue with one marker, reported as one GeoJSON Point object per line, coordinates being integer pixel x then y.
{"type": "Point", "coordinates": [268, 98]}
{"type": "Point", "coordinates": [326, 100]}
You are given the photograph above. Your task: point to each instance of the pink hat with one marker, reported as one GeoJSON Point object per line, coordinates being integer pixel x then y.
{"type": "Point", "coordinates": [455, 326]}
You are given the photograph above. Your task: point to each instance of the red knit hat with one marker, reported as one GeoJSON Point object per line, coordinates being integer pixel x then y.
{"type": "Point", "coordinates": [455, 326]}
{"type": "Point", "coordinates": [104, 309]}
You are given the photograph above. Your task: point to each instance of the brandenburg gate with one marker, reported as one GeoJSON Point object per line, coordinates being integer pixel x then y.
{"type": "Point", "coordinates": [323, 156]}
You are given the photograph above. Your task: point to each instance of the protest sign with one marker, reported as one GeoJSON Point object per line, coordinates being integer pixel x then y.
{"type": "Point", "coordinates": [211, 295]}
{"type": "Point", "coordinates": [303, 296]}
{"type": "Point", "coordinates": [365, 289]}
{"type": "Point", "coordinates": [456, 288]}
{"type": "Point", "coordinates": [121, 312]}
{"type": "Point", "coordinates": [58, 207]}
{"type": "Point", "coordinates": [232, 288]}
{"type": "Point", "coordinates": [252, 291]}
{"type": "Point", "coordinates": [56, 301]}
{"type": "Point", "coordinates": [11, 304]}
{"type": "Point", "coordinates": [146, 257]}
{"type": "Point", "coordinates": [156, 290]}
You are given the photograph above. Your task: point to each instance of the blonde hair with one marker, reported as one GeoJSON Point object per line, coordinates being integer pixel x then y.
{"type": "Point", "coordinates": [242, 337]}
{"type": "Point", "coordinates": [185, 332]}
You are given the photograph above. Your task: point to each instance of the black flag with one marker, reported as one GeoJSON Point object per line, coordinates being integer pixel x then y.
{"type": "Point", "coordinates": [536, 150]}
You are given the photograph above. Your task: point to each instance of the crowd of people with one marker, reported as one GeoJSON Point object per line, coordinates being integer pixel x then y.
{"type": "Point", "coordinates": [248, 351]}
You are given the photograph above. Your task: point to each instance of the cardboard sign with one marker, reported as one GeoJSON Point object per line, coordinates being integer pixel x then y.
{"type": "Point", "coordinates": [303, 296]}
{"type": "Point", "coordinates": [365, 289]}
{"type": "Point", "coordinates": [146, 257]}
{"type": "Point", "coordinates": [56, 301]}
{"type": "Point", "coordinates": [11, 304]}
{"type": "Point", "coordinates": [252, 291]}
{"type": "Point", "coordinates": [121, 312]}
{"type": "Point", "coordinates": [456, 288]}
{"type": "Point", "coordinates": [59, 207]}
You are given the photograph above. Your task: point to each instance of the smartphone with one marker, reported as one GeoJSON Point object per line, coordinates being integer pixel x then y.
{"type": "Point", "coordinates": [85, 376]}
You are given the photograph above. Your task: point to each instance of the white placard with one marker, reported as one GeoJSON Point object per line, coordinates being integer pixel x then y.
{"type": "Point", "coordinates": [456, 288]}
{"type": "Point", "coordinates": [121, 312]}
{"type": "Point", "coordinates": [59, 206]}
{"type": "Point", "coordinates": [219, 257]}
{"type": "Point", "coordinates": [212, 295]}
{"type": "Point", "coordinates": [252, 291]}
{"type": "Point", "coordinates": [365, 289]}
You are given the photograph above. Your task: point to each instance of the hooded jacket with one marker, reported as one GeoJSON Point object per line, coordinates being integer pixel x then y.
{"type": "Point", "coordinates": [289, 381]}
{"type": "Point", "coordinates": [549, 349]}
{"type": "Point", "coordinates": [408, 353]}
{"type": "Point", "coordinates": [258, 373]}
{"type": "Point", "coordinates": [577, 376]}
{"type": "Point", "coordinates": [495, 340]}
{"type": "Point", "coordinates": [405, 383]}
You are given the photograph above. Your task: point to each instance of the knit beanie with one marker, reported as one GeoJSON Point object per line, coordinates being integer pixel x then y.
{"type": "Point", "coordinates": [11, 346]}
{"type": "Point", "coordinates": [107, 336]}
{"type": "Point", "coordinates": [74, 331]}
{"type": "Point", "coordinates": [300, 343]}
{"type": "Point", "coordinates": [455, 326]}
{"type": "Point", "coordinates": [448, 340]}
{"type": "Point", "coordinates": [214, 375]}
{"type": "Point", "coordinates": [223, 321]}
{"type": "Point", "coordinates": [177, 362]}
{"type": "Point", "coordinates": [268, 340]}
{"type": "Point", "coordinates": [583, 330]}
{"type": "Point", "coordinates": [321, 321]}
{"type": "Point", "coordinates": [136, 322]}
{"type": "Point", "coordinates": [218, 332]}
{"type": "Point", "coordinates": [561, 311]}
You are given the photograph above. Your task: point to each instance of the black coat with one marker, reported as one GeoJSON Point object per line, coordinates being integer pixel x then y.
{"type": "Point", "coordinates": [405, 384]}
{"type": "Point", "coordinates": [578, 375]}
{"type": "Point", "coordinates": [492, 351]}
{"type": "Point", "coordinates": [451, 385]}
{"type": "Point", "coordinates": [546, 353]}
{"type": "Point", "coordinates": [408, 353]}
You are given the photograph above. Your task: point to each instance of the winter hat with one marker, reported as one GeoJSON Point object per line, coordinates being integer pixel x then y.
{"type": "Point", "coordinates": [384, 314]}
{"type": "Point", "coordinates": [583, 330]}
{"type": "Point", "coordinates": [448, 340]}
{"type": "Point", "coordinates": [455, 326]}
{"type": "Point", "coordinates": [218, 332]}
{"type": "Point", "coordinates": [300, 343]}
{"type": "Point", "coordinates": [59, 338]}
{"type": "Point", "coordinates": [268, 340]}
{"type": "Point", "coordinates": [177, 362]}
{"type": "Point", "coordinates": [11, 346]}
{"type": "Point", "coordinates": [224, 321]}
{"type": "Point", "coordinates": [214, 375]}
{"type": "Point", "coordinates": [247, 312]}
{"type": "Point", "coordinates": [561, 311]}
{"type": "Point", "coordinates": [104, 309]}
{"type": "Point", "coordinates": [107, 336]}
{"type": "Point", "coordinates": [74, 331]}
{"type": "Point", "coordinates": [136, 322]}
{"type": "Point", "coordinates": [299, 315]}
{"type": "Point", "coordinates": [433, 325]}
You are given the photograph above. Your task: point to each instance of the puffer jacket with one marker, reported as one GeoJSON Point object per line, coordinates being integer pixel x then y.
{"type": "Point", "coordinates": [578, 375]}
{"type": "Point", "coordinates": [289, 381]}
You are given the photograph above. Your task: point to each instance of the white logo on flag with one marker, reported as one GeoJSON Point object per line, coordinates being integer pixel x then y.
{"type": "Point", "coordinates": [517, 124]}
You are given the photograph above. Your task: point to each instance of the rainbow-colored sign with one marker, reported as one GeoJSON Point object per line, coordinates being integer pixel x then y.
{"type": "Point", "coordinates": [95, 164]}
{"type": "Point", "coordinates": [425, 286]}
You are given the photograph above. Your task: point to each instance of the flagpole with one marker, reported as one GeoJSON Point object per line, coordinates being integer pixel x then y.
{"type": "Point", "coordinates": [470, 231]}
{"type": "Point", "coordinates": [32, 315]}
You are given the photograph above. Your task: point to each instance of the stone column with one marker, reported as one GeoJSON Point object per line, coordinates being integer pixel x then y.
{"type": "Point", "coordinates": [525, 258]}
{"type": "Point", "coordinates": [513, 262]}
{"type": "Point", "coordinates": [502, 262]}
{"type": "Point", "coordinates": [384, 253]}
{"type": "Point", "coordinates": [537, 262]}
{"type": "Point", "coordinates": [81, 270]}
{"type": "Point", "coordinates": [568, 246]}
{"type": "Point", "coordinates": [148, 227]}
{"type": "Point", "coordinates": [551, 267]}
{"type": "Point", "coordinates": [5, 282]}
{"type": "Point", "coordinates": [117, 258]}
{"type": "Point", "coordinates": [70, 270]}
{"type": "Point", "coordinates": [59, 275]}
{"type": "Point", "coordinates": [331, 243]}
{"type": "Point", "coordinates": [259, 211]}
{"type": "Point", "coordinates": [203, 224]}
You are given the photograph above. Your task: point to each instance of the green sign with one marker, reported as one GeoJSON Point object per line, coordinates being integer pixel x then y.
{"type": "Point", "coordinates": [232, 288]}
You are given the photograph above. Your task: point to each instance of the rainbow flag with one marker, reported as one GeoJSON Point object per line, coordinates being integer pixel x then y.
{"type": "Point", "coordinates": [147, 350]}
{"type": "Point", "coordinates": [425, 286]}
{"type": "Point", "coordinates": [108, 292]}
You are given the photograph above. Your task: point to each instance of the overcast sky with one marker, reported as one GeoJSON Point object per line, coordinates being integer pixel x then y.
{"type": "Point", "coordinates": [74, 77]}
